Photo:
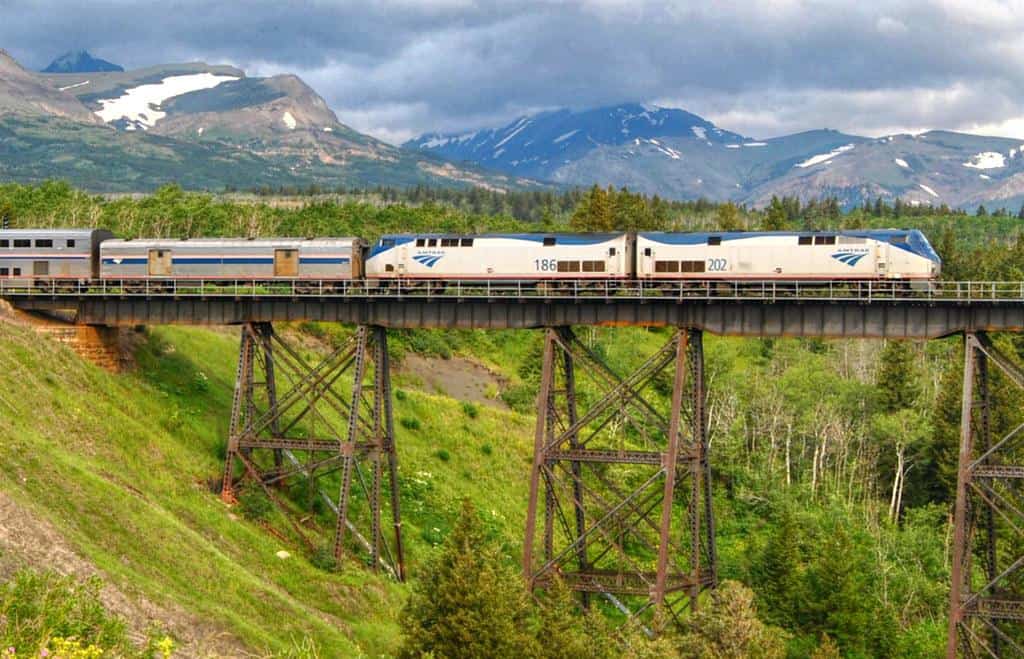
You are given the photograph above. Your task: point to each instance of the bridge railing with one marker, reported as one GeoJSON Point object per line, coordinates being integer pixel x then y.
{"type": "Point", "coordinates": [561, 289]}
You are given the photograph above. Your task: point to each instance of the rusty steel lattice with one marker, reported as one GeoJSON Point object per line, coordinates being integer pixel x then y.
{"type": "Point", "coordinates": [624, 477]}
{"type": "Point", "coordinates": [987, 597]}
{"type": "Point", "coordinates": [291, 424]}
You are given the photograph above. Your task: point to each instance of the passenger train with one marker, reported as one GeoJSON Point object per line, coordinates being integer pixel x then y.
{"type": "Point", "coordinates": [33, 257]}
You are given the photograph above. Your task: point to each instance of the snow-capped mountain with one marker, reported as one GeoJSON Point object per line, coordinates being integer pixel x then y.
{"type": "Point", "coordinates": [192, 123]}
{"type": "Point", "coordinates": [540, 145]}
{"type": "Point", "coordinates": [80, 61]}
{"type": "Point", "coordinates": [679, 155]}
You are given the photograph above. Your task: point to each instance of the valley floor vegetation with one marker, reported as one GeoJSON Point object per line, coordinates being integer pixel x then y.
{"type": "Point", "coordinates": [833, 462]}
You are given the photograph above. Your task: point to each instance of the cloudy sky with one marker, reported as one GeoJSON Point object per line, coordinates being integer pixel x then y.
{"type": "Point", "coordinates": [396, 68]}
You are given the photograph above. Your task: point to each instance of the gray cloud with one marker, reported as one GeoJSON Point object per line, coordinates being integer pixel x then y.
{"type": "Point", "coordinates": [396, 68]}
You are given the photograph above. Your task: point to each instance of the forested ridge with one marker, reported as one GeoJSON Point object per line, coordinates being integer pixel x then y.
{"type": "Point", "coordinates": [833, 461]}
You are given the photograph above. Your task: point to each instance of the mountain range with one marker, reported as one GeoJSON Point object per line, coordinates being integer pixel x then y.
{"type": "Point", "coordinates": [679, 155]}
{"type": "Point", "coordinates": [202, 126]}
{"type": "Point", "coordinates": [210, 127]}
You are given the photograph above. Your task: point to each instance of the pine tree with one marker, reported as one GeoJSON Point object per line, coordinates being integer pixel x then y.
{"type": "Point", "coordinates": [775, 218]}
{"type": "Point", "coordinates": [728, 628]}
{"type": "Point", "coordinates": [728, 217]}
{"type": "Point", "coordinates": [468, 602]}
{"type": "Point", "coordinates": [981, 212]}
{"type": "Point", "coordinates": [897, 378]}
{"type": "Point", "coordinates": [777, 578]}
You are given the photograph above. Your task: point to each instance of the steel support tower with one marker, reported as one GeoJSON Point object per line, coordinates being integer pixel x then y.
{"type": "Point", "coordinates": [620, 488]}
{"type": "Point", "coordinates": [293, 422]}
{"type": "Point", "coordinates": [986, 605]}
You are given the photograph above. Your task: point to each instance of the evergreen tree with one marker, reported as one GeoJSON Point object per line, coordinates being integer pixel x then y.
{"type": "Point", "coordinates": [981, 212]}
{"type": "Point", "coordinates": [897, 378]}
{"type": "Point", "coordinates": [776, 572]}
{"type": "Point", "coordinates": [468, 601]}
{"type": "Point", "coordinates": [728, 217]}
{"type": "Point", "coordinates": [775, 218]}
{"type": "Point", "coordinates": [728, 628]}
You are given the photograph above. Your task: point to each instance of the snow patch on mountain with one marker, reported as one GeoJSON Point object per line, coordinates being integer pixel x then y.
{"type": "Point", "coordinates": [523, 123]}
{"type": "Point", "coordinates": [928, 190]}
{"type": "Point", "coordinates": [77, 84]}
{"type": "Point", "coordinates": [288, 120]}
{"type": "Point", "coordinates": [902, 163]}
{"type": "Point", "coordinates": [140, 106]}
{"type": "Point", "coordinates": [986, 160]}
{"type": "Point", "coordinates": [699, 132]}
{"type": "Point", "coordinates": [824, 157]}
{"type": "Point", "coordinates": [755, 144]}
{"type": "Point", "coordinates": [565, 136]}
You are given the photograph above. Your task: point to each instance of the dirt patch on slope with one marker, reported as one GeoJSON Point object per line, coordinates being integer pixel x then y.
{"type": "Point", "coordinates": [27, 541]}
{"type": "Point", "coordinates": [458, 378]}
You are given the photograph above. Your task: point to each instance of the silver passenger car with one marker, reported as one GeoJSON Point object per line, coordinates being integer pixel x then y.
{"type": "Point", "coordinates": [29, 255]}
{"type": "Point", "coordinates": [232, 259]}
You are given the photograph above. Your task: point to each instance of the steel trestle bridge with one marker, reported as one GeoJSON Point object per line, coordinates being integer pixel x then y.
{"type": "Point", "coordinates": [591, 498]}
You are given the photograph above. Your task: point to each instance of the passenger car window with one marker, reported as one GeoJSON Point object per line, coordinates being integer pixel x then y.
{"type": "Point", "coordinates": [44, 243]}
{"type": "Point", "coordinates": [22, 243]}
{"type": "Point", "coordinates": [5, 243]}
{"type": "Point", "coordinates": [71, 243]}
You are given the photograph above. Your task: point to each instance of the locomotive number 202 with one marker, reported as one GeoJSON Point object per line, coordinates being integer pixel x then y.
{"type": "Point", "coordinates": [717, 265]}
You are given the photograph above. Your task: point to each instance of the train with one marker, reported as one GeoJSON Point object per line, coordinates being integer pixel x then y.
{"type": "Point", "coordinates": [41, 256]}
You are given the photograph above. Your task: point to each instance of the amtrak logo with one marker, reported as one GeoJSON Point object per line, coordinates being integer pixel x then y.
{"type": "Point", "coordinates": [848, 258]}
{"type": "Point", "coordinates": [429, 260]}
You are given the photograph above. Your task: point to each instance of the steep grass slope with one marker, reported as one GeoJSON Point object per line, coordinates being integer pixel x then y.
{"type": "Point", "coordinates": [115, 469]}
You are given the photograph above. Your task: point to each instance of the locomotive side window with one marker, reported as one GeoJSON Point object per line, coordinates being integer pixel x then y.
{"type": "Point", "coordinates": [388, 242]}
{"type": "Point", "coordinates": [432, 242]}
{"type": "Point", "coordinates": [824, 240]}
{"type": "Point", "coordinates": [691, 266]}
{"type": "Point", "coordinates": [22, 243]}
{"type": "Point", "coordinates": [449, 242]}
{"type": "Point", "coordinates": [714, 240]}
{"type": "Point", "coordinates": [44, 243]}
{"type": "Point", "coordinates": [568, 266]}
{"type": "Point", "coordinates": [647, 251]}
{"type": "Point", "coordinates": [467, 242]}
{"type": "Point", "coordinates": [549, 241]}
{"type": "Point", "coordinates": [420, 242]}
{"type": "Point", "coordinates": [593, 266]}
{"type": "Point", "coordinates": [666, 266]}
{"type": "Point", "coordinates": [804, 240]}
{"type": "Point", "coordinates": [898, 239]}
{"type": "Point", "coordinates": [611, 251]}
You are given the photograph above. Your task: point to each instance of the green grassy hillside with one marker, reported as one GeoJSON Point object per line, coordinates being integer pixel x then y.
{"type": "Point", "coordinates": [119, 466]}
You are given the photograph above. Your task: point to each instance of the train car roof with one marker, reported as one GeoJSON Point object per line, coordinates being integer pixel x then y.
{"type": "Point", "coordinates": [52, 233]}
{"type": "Point", "coordinates": [229, 242]}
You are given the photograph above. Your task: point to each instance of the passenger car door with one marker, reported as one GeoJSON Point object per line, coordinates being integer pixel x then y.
{"type": "Point", "coordinates": [159, 263]}
{"type": "Point", "coordinates": [286, 263]}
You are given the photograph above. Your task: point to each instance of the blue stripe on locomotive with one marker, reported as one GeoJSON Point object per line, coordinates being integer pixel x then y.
{"type": "Point", "coordinates": [560, 238]}
{"type": "Point", "coordinates": [916, 243]}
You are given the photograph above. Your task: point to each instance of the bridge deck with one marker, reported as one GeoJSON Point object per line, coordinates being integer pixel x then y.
{"type": "Point", "coordinates": [746, 308]}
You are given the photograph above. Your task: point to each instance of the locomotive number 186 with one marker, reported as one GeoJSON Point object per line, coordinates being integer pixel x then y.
{"type": "Point", "coordinates": [545, 265]}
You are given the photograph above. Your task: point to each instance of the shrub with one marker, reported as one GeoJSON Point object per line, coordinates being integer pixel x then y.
{"type": "Point", "coordinates": [470, 410]}
{"type": "Point", "coordinates": [410, 423]}
{"type": "Point", "coordinates": [486, 449]}
{"type": "Point", "coordinates": [443, 455]}
{"type": "Point", "coordinates": [254, 504]}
